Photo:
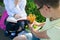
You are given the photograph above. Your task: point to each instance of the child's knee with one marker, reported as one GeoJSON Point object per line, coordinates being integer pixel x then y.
{"type": "Point", "coordinates": [20, 37]}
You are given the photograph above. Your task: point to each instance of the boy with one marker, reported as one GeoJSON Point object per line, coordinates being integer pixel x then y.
{"type": "Point", "coordinates": [51, 10]}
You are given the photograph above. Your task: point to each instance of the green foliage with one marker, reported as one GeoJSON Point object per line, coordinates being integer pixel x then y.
{"type": "Point", "coordinates": [1, 4]}
{"type": "Point", "coordinates": [31, 8]}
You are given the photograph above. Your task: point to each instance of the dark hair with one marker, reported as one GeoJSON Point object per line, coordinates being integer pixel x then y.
{"type": "Point", "coordinates": [51, 3]}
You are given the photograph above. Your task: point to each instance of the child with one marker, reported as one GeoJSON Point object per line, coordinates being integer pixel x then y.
{"type": "Point", "coordinates": [17, 16]}
{"type": "Point", "coordinates": [51, 10]}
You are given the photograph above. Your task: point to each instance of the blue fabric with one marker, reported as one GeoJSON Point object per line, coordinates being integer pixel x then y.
{"type": "Point", "coordinates": [29, 36]}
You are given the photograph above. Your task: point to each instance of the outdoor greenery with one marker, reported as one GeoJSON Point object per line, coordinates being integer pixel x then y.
{"type": "Point", "coordinates": [1, 3]}
{"type": "Point", "coordinates": [31, 8]}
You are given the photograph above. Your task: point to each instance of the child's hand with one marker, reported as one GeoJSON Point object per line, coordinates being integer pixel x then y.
{"type": "Point", "coordinates": [31, 18]}
{"type": "Point", "coordinates": [31, 26]}
{"type": "Point", "coordinates": [17, 16]}
{"type": "Point", "coordinates": [39, 24]}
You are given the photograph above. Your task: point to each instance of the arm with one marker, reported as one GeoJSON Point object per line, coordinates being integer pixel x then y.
{"type": "Point", "coordinates": [11, 8]}
{"type": "Point", "coordinates": [38, 34]}
{"type": "Point", "coordinates": [21, 7]}
{"type": "Point", "coordinates": [39, 24]}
